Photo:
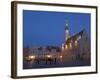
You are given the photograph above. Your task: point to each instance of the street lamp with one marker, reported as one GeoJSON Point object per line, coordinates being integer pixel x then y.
{"type": "Point", "coordinates": [61, 56]}
{"type": "Point", "coordinates": [49, 56]}
{"type": "Point", "coordinates": [31, 57]}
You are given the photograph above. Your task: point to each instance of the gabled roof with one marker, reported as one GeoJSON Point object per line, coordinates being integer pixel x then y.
{"type": "Point", "coordinates": [74, 37]}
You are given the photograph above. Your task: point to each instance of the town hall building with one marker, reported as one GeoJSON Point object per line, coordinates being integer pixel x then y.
{"type": "Point", "coordinates": [76, 46]}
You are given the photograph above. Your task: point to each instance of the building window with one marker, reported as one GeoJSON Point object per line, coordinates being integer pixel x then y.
{"type": "Point", "coordinates": [66, 47]}
{"type": "Point", "coordinates": [76, 43]}
{"type": "Point", "coordinates": [70, 45]}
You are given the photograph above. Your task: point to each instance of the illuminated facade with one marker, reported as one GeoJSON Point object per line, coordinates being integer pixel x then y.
{"type": "Point", "coordinates": [77, 44]}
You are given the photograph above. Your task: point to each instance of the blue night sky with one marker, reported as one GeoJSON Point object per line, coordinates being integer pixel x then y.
{"type": "Point", "coordinates": [42, 28]}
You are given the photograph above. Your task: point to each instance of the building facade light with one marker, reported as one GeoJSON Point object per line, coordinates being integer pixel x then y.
{"type": "Point", "coordinates": [32, 57]}
{"type": "Point", "coordinates": [76, 43]}
{"type": "Point", "coordinates": [49, 56]}
{"type": "Point", "coordinates": [61, 56]}
{"type": "Point", "coordinates": [66, 46]}
{"type": "Point", "coordinates": [70, 45]}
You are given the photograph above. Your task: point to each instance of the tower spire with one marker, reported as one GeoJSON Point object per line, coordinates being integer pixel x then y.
{"type": "Point", "coordinates": [65, 46]}
{"type": "Point", "coordinates": [66, 30]}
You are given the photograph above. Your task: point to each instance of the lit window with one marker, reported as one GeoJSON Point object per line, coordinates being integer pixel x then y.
{"type": "Point", "coordinates": [70, 45]}
{"type": "Point", "coordinates": [76, 43]}
{"type": "Point", "coordinates": [66, 46]}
